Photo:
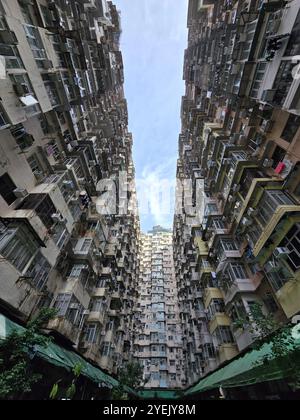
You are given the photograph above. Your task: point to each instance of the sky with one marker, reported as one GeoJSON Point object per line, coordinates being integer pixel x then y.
{"type": "Point", "coordinates": [154, 37]}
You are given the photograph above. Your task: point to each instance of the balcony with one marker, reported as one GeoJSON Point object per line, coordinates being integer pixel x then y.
{"type": "Point", "coordinates": [238, 286]}
{"type": "Point", "coordinates": [64, 327]}
{"type": "Point", "coordinates": [97, 316]}
{"type": "Point", "coordinates": [212, 293]}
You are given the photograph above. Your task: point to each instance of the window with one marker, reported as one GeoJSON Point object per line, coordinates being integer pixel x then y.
{"type": "Point", "coordinates": [210, 209]}
{"type": "Point", "coordinates": [39, 271]}
{"type": "Point", "coordinates": [258, 78]}
{"type": "Point", "coordinates": [250, 31]}
{"type": "Point", "coordinates": [26, 12]}
{"type": "Point", "coordinates": [7, 188]}
{"type": "Point", "coordinates": [283, 81]}
{"type": "Point", "coordinates": [228, 245]}
{"type": "Point", "coordinates": [278, 279]}
{"type": "Point", "coordinates": [224, 335]}
{"type": "Point", "coordinates": [68, 306]}
{"type": "Point", "coordinates": [4, 122]}
{"type": "Point", "coordinates": [292, 242]}
{"type": "Point", "coordinates": [237, 271]}
{"type": "Point", "coordinates": [23, 81]}
{"type": "Point", "coordinates": [17, 246]}
{"type": "Point", "coordinates": [208, 351]}
{"type": "Point", "coordinates": [91, 333]}
{"type": "Point", "coordinates": [43, 206]}
{"type": "Point", "coordinates": [291, 128]}
{"type": "Point", "coordinates": [36, 45]}
{"type": "Point", "coordinates": [62, 302]}
{"type": "Point", "coordinates": [106, 349]}
{"type": "Point", "coordinates": [293, 46]}
{"type": "Point", "coordinates": [219, 224]}
{"type": "Point", "coordinates": [12, 58]}
{"type": "Point", "coordinates": [268, 204]}
{"type": "Point", "coordinates": [51, 90]}
{"type": "Point", "coordinates": [102, 283]}
{"type": "Point", "coordinates": [216, 306]}
{"type": "Point", "coordinates": [77, 269]}
{"type": "Point", "coordinates": [97, 305]}
{"type": "Point", "coordinates": [270, 303]}
{"type": "Point", "coordinates": [86, 245]}
{"type": "Point", "coordinates": [35, 167]}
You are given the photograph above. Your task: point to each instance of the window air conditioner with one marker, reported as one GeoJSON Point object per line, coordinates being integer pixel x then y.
{"type": "Point", "coordinates": [272, 267]}
{"type": "Point", "coordinates": [252, 212]}
{"type": "Point", "coordinates": [267, 163]}
{"type": "Point", "coordinates": [230, 198]}
{"type": "Point", "coordinates": [246, 222]}
{"type": "Point", "coordinates": [236, 188]}
{"type": "Point", "coordinates": [281, 252]}
{"type": "Point", "coordinates": [20, 192]}
{"type": "Point", "coordinates": [57, 217]}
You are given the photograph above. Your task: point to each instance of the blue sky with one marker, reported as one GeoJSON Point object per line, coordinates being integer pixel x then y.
{"type": "Point", "coordinates": [153, 41]}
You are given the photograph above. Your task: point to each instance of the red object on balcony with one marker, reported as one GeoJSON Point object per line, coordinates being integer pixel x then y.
{"type": "Point", "coordinates": [280, 167]}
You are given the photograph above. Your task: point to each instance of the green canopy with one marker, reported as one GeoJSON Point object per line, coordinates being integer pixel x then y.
{"type": "Point", "coordinates": [252, 368]}
{"type": "Point", "coordinates": [59, 356]}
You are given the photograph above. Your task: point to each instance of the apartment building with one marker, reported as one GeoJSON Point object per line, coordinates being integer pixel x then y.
{"type": "Point", "coordinates": [63, 128]}
{"type": "Point", "coordinates": [240, 139]}
{"type": "Point", "coordinates": [158, 337]}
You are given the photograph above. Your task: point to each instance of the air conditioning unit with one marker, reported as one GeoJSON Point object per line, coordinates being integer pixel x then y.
{"type": "Point", "coordinates": [267, 163]}
{"type": "Point", "coordinates": [236, 188]}
{"type": "Point", "coordinates": [226, 161]}
{"type": "Point", "coordinates": [252, 212]}
{"type": "Point", "coordinates": [86, 312]}
{"type": "Point", "coordinates": [92, 163]}
{"type": "Point", "coordinates": [21, 89]}
{"type": "Point", "coordinates": [74, 143]}
{"type": "Point", "coordinates": [281, 252]}
{"type": "Point", "coordinates": [57, 218]}
{"type": "Point", "coordinates": [74, 306]}
{"type": "Point", "coordinates": [272, 267]}
{"type": "Point", "coordinates": [20, 192]}
{"type": "Point", "coordinates": [230, 198]}
{"type": "Point", "coordinates": [68, 184]}
{"type": "Point", "coordinates": [267, 125]}
{"type": "Point", "coordinates": [246, 221]}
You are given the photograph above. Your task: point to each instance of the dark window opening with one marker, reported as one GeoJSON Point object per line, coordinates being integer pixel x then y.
{"type": "Point", "coordinates": [278, 156]}
{"type": "Point", "coordinates": [43, 206]}
{"type": "Point", "coordinates": [7, 188]}
{"type": "Point", "coordinates": [291, 128]}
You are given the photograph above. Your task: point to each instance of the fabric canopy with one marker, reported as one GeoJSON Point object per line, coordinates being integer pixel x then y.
{"type": "Point", "coordinates": [251, 368]}
{"type": "Point", "coordinates": [59, 356]}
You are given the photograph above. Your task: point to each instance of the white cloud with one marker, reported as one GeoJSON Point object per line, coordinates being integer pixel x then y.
{"type": "Point", "coordinates": [156, 192]}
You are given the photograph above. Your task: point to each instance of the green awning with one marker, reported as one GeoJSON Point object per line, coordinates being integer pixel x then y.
{"type": "Point", "coordinates": [252, 368]}
{"type": "Point", "coordinates": [59, 356]}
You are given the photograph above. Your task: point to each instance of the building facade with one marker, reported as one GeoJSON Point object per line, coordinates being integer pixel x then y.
{"type": "Point", "coordinates": [237, 244]}
{"type": "Point", "coordinates": [63, 128]}
{"type": "Point", "coordinates": [158, 337]}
